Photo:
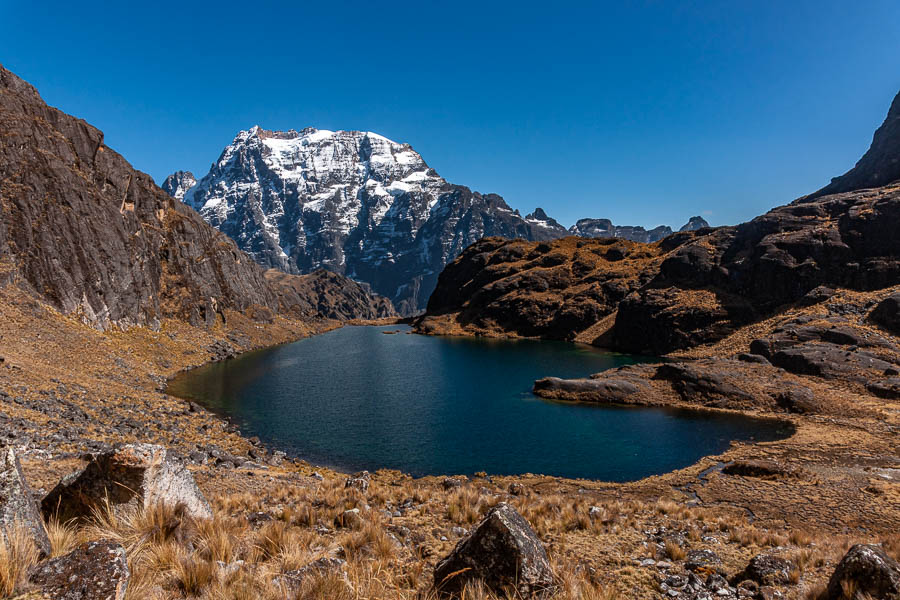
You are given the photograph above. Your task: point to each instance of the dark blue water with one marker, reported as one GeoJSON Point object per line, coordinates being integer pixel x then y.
{"type": "Point", "coordinates": [356, 398]}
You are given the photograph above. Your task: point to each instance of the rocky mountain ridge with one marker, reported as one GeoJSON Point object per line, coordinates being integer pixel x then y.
{"type": "Point", "coordinates": [358, 204]}
{"type": "Point", "coordinates": [604, 228]}
{"type": "Point", "coordinates": [83, 230]}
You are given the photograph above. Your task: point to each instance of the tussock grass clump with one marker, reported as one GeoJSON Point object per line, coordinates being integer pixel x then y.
{"type": "Point", "coordinates": [18, 553]}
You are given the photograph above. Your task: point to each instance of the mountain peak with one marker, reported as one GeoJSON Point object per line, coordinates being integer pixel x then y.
{"type": "Point", "coordinates": [879, 166]}
{"type": "Point", "coordinates": [178, 183]}
{"type": "Point", "coordinates": [694, 223]}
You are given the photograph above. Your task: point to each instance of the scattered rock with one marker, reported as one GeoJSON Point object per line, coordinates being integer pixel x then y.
{"type": "Point", "coordinates": [293, 579]}
{"type": "Point", "coordinates": [93, 571]}
{"type": "Point", "coordinates": [503, 551]}
{"type": "Point", "coordinates": [132, 474]}
{"type": "Point", "coordinates": [450, 483]}
{"type": "Point", "coordinates": [221, 350]}
{"type": "Point", "coordinates": [869, 570]}
{"type": "Point", "coordinates": [888, 389]}
{"type": "Point", "coordinates": [17, 505]}
{"type": "Point", "coordinates": [359, 481]}
{"type": "Point", "coordinates": [816, 295]}
{"type": "Point", "coordinates": [701, 560]}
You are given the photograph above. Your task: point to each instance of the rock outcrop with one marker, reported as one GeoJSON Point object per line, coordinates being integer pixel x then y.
{"type": "Point", "coordinates": [504, 552]}
{"type": "Point", "coordinates": [17, 506]}
{"type": "Point", "coordinates": [92, 571]}
{"type": "Point", "coordinates": [141, 475]}
{"type": "Point", "coordinates": [555, 290]}
{"type": "Point", "coordinates": [328, 295]}
{"type": "Point", "coordinates": [766, 569]}
{"type": "Point", "coordinates": [867, 570]}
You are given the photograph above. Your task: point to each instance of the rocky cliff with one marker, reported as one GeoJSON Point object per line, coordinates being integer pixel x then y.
{"type": "Point", "coordinates": [94, 237]}
{"type": "Point", "coordinates": [693, 287]}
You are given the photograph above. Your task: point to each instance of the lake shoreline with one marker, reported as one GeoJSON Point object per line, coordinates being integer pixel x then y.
{"type": "Point", "coordinates": [220, 387]}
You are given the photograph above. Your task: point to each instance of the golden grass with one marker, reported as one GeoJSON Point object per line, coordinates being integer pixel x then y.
{"type": "Point", "coordinates": [18, 553]}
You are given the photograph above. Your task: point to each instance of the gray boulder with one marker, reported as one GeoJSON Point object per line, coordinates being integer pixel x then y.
{"type": "Point", "coordinates": [17, 505]}
{"type": "Point", "coordinates": [768, 570]}
{"type": "Point", "coordinates": [869, 570]}
{"type": "Point", "coordinates": [504, 552]}
{"type": "Point", "coordinates": [93, 571]}
{"type": "Point", "coordinates": [134, 475]}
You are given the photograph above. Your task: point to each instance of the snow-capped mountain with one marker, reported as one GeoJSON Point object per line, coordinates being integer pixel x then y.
{"type": "Point", "coordinates": [353, 202]}
{"type": "Point", "coordinates": [178, 183]}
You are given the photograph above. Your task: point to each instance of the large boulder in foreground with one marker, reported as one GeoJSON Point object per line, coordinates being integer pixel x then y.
{"type": "Point", "coordinates": [134, 474]}
{"type": "Point", "coordinates": [867, 569]}
{"type": "Point", "coordinates": [17, 505]}
{"type": "Point", "coordinates": [503, 551]}
{"type": "Point", "coordinates": [92, 571]}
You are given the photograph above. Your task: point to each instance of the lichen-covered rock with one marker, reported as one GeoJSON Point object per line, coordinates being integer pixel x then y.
{"type": "Point", "coordinates": [359, 481]}
{"type": "Point", "coordinates": [503, 551]}
{"type": "Point", "coordinates": [867, 569]}
{"type": "Point", "coordinates": [133, 474]}
{"type": "Point", "coordinates": [93, 571]}
{"type": "Point", "coordinates": [17, 505]}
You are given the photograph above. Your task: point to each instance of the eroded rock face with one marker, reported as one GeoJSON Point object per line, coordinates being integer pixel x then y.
{"type": "Point", "coordinates": [329, 295]}
{"type": "Point", "coordinates": [96, 238]}
{"type": "Point", "coordinates": [503, 551]}
{"type": "Point", "coordinates": [93, 571]}
{"type": "Point", "coordinates": [870, 570]}
{"type": "Point", "coordinates": [17, 505]}
{"type": "Point", "coordinates": [133, 474]}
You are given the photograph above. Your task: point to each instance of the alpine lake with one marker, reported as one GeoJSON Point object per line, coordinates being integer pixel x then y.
{"type": "Point", "coordinates": [366, 397]}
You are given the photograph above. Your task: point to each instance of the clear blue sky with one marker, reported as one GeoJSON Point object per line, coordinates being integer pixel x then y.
{"type": "Point", "coordinates": [642, 112]}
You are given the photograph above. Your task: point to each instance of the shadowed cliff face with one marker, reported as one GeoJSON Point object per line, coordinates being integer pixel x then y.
{"type": "Point", "coordinates": [94, 237]}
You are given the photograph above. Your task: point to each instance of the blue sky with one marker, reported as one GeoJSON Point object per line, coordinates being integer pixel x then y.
{"type": "Point", "coordinates": [642, 112]}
